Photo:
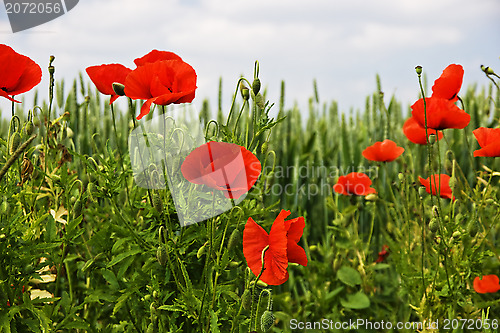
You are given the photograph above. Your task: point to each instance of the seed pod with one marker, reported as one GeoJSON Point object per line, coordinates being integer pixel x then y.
{"type": "Point", "coordinates": [161, 254]}
{"type": "Point", "coordinates": [256, 85]}
{"type": "Point", "coordinates": [118, 88]}
{"type": "Point", "coordinates": [246, 299]}
{"type": "Point", "coordinates": [267, 321]}
{"type": "Point", "coordinates": [15, 140]}
{"type": "Point", "coordinates": [234, 239]}
{"type": "Point", "coordinates": [418, 69]}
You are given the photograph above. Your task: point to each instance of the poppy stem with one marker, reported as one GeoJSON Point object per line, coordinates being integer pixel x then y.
{"type": "Point", "coordinates": [253, 287]}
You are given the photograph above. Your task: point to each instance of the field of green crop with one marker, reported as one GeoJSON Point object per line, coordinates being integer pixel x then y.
{"type": "Point", "coordinates": [88, 243]}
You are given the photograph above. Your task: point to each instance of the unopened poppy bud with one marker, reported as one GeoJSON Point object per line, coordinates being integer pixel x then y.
{"type": "Point", "coordinates": [15, 140]}
{"type": "Point", "coordinates": [29, 128]}
{"type": "Point", "coordinates": [246, 299]}
{"type": "Point", "coordinates": [158, 203]}
{"type": "Point", "coordinates": [432, 138]}
{"type": "Point", "coordinates": [234, 239]}
{"type": "Point", "coordinates": [371, 197]}
{"type": "Point", "coordinates": [487, 70]}
{"type": "Point", "coordinates": [401, 176]}
{"type": "Point", "coordinates": [52, 70]}
{"type": "Point", "coordinates": [313, 248]}
{"type": "Point", "coordinates": [433, 225]}
{"type": "Point", "coordinates": [456, 234]}
{"type": "Point", "coordinates": [234, 264]}
{"type": "Point", "coordinates": [119, 89]}
{"type": "Point", "coordinates": [264, 147]}
{"type": "Point", "coordinates": [51, 59]}
{"type": "Point", "coordinates": [161, 254]}
{"type": "Point", "coordinates": [267, 321]}
{"type": "Point", "coordinates": [452, 182]}
{"type": "Point", "coordinates": [421, 191]}
{"type": "Point", "coordinates": [262, 284]}
{"type": "Point", "coordinates": [256, 85]}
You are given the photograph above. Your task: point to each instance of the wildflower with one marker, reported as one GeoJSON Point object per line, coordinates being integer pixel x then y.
{"type": "Point", "coordinates": [224, 166]}
{"type": "Point", "coordinates": [440, 108]}
{"type": "Point", "coordinates": [385, 151]}
{"type": "Point", "coordinates": [162, 82]}
{"type": "Point", "coordinates": [382, 255]}
{"type": "Point", "coordinates": [489, 140]}
{"type": "Point", "coordinates": [486, 284]}
{"type": "Point", "coordinates": [443, 186]}
{"type": "Point", "coordinates": [18, 73]}
{"type": "Point", "coordinates": [283, 248]}
{"type": "Point", "coordinates": [354, 183]}
{"type": "Point", "coordinates": [416, 133]}
{"type": "Point", "coordinates": [104, 76]}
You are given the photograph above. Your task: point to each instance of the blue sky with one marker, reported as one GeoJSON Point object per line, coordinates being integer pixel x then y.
{"type": "Point", "coordinates": [341, 44]}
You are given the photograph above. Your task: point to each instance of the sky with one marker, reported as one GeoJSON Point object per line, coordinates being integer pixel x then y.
{"type": "Point", "coordinates": [341, 44]}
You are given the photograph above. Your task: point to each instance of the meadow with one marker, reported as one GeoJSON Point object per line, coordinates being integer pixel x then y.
{"type": "Point", "coordinates": [323, 225]}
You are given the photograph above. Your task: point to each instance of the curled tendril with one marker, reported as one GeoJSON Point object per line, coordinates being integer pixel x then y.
{"type": "Point", "coordinates": [80, 185]}
{"type": "Point", "coordinates": [182, 137]}
{"type": "Point", "coordinates": [271, 152]}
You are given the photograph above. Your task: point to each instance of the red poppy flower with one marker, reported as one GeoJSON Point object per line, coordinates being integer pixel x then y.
{"type": "Point", "coordinates": [385, 151]}
{"type": "Point", "coordinates": [155, 56]}
{"type": "Point", "coordinates": [448, 84]}
{"type": "Point", "coordinates": [354, 183]}
{"type": "Point", "coordinates": [489, 140]}
{"type": "Point", "coordinates": [416, 133]}
{"type": "Point", "coordinates": [441, 114]}
{"type": "Point", "coordinates": [104, 76]}
{"type": "Point", "coordinates": [487, 284]}
{"type": "Point", "coordinates": [283, 247]}
{"type": "Point", "coordinates": [161, 82]}
{"type": "Point", "coordinates": [382, 255]}
{"type": "Point", "coordinates": [443, 186]}
{"type": "Point", "coordinates": [223, 166]}
{"type": "Point", "coordinates": [18, 73]}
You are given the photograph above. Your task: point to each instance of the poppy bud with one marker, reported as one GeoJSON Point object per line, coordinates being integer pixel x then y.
{"type": "Point", "coordinates": [401, 176]}
{"type": "Point", "coordinates": [51, 59]}
{"type": "Point", "coordinates": [264, 147]}
{"type": "Point", "coordinates": [234, 264]}
{"type": "Point", "coordinates": [161, 254]}
{"type": "Point", "coordinates": [435, 211]}
{"type": "Point", "coordinates": [158, 203]}
{"type": "Point", "coordinates": [371, 197]}
{"type": "Point", "coordinates": [262, 284]}
{"type": "Point", "coordinates": [256, 85]}
{"type": "Point", "coordinates": [246, 299]}
{"type": "Point", "coordinates": [234, 239]}
{"type": "Point", "coordinates": [29, 128]}
{"type": "Point", "coordinates": [267, 321]}
{"type": "Point", "coordinates": [433, 225]}
{"type": "Point", "coordinates": [119, 88]}
{"type": "Point", "coordinates": [421, 191]}
{"type": "Point", "coordinates": [15, 140]}
{"type": "Point", "coordinates": [452, 182]}
{"type": "Point", "coordinates": [456, 234]}
{"type": "Point", "coordinates": [52, 70]}
{"type": "Point", "coordinates": [487, 70]}
{"type": "Point", "coordinates": [418, 69]}
{"type": "Point", "coordinates": [4, 208]}
{"type": "Point", "coordinates": [313, 248]}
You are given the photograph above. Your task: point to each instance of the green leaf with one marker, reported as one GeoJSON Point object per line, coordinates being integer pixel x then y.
{"type": "Point", "coordinates": [356, 301]}
{"type": "Point", "coordinates": [111, 278]}
{"type": "Point", "coordinates": [213, 322]}
{"type": "Point", "coordinates": [349, 276]}
{"type": "Point", "coordinates": [122, 256]}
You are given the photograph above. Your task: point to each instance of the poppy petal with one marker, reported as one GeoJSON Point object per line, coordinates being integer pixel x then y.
{"type": "Point", "coordinates": [416, 133]}
{"type": "Point", "coordinates": [443, 187]}
{"type": "Point", "coordinates": [449, 83]}
{"type": "Point", "coordinates": [489, 140]}
{"type": "Point", "coordinates": [255, 239]}
{"type": "Point", "coordinates": [441, 114]}
{"type": "Point", "coordinates": [155, 56]}
{"type": "Point", "coordinates": [385, 151]}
